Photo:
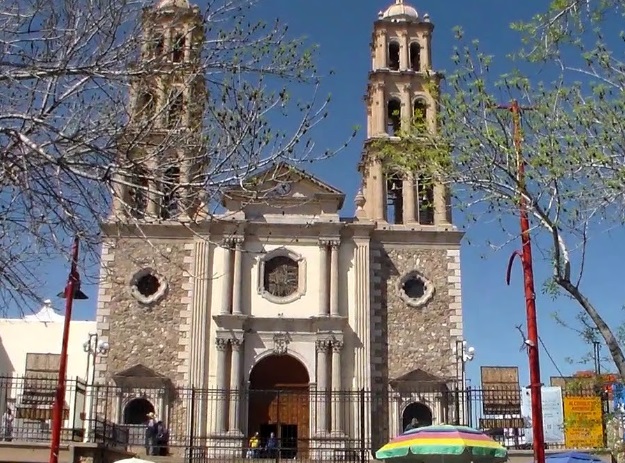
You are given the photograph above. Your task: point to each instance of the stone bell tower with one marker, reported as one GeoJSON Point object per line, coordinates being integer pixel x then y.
{"type": "Point", "coordinates": [416, 311]}
{"type": "Point", "coordinates": [162, 144]}
{"type": "Point", "coordinates": [401, 94]}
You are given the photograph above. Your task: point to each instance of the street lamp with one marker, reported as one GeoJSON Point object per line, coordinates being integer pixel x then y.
{"type": "Point", "coordinates": [92, 347]}
{"type": "Point", "coordinates": [464, 353]}
{"type": "Point", "coordinates": [72, 291]}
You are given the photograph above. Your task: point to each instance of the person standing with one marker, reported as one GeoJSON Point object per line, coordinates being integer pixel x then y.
{"type": "Point", "coordinates": [414, 424]}
{"type": "Point", "coordinates": [254, 444]}
{"type": "Point", "coordinates": [150, 434]}
{"type": "Point", "coordinates": [7, 425]}
{"type": "Point", "coordinates": [272, 446]}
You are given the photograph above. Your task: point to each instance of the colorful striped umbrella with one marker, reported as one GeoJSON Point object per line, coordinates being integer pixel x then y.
{"type": "Point", "coordinates": [444, 441]}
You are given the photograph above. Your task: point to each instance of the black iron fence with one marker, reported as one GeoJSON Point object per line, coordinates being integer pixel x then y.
{"type": "Point", "coordinates": [290, 423]}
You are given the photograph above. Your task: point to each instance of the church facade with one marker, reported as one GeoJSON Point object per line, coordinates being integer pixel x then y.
{"type": "Point", "coordinates": [280, 309]}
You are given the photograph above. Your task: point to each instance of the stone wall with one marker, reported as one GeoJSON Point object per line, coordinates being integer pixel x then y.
{"type": "Point", "coordinates": [154, 336]}
{"type": "Point", "coordinates": [407, 338]}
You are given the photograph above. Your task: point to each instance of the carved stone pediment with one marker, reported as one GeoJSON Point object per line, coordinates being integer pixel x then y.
{"type": "Point", "coordinates": [283, 189]}
{"type": "Point", "coordinates": [140, 376]}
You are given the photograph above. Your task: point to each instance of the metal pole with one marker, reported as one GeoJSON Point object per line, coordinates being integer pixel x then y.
{"type": "Point", "coordinates": [92, 402]}
{"type": "Point", "coordinates": [94, 356]}
{"type": "Point", "coordinates": [597, 356]}
{"type": "Point", "coordinates": [57, 412]}
{"type": "Point", "coordinates": [192, 427]}
{"type": "Point", "coordinates": [459, 367]}
{"type": "Point", "coordinates": [362, 425]}
{"type": "Point", "coordinates": [530, 296]}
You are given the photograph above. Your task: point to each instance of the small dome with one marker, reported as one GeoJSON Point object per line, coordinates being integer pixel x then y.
{"type": "Point", "coordinates": [400, 11]}
{"type": "Point", "coordinates": [173, 4]}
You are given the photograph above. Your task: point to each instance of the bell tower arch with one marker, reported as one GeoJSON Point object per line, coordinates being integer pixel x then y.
{"type": "Point", "coordinates": [401, 96]}
{"type": "Point", "coordinates": [161, 146]}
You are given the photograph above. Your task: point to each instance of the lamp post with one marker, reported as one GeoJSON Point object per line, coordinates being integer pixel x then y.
{"type": "Point", "coordinates": [464, 353]}
{"type": "Point", "coordinates": [72, 291]}
{"type": "Point", "coordinates": [92, 347]}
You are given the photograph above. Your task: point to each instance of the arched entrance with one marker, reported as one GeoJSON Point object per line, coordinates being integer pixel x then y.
{"type": "Point", "coordinates": [279, 404]}
{"type": "Point", "coordinates": [135, 417]}
{"type": "Point", "coordinates": [418, 411]}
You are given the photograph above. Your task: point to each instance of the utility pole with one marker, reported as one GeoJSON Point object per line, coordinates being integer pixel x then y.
{"type": "Point", "coordinates": [530, 295]}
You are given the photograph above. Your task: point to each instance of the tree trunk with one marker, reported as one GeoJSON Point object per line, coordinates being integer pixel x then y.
{"type": "Point", "coordinates": [605, 331]}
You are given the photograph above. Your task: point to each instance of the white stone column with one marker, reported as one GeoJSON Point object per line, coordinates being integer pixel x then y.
{"type": "Point", "coordinates": [235, 386]}
{"type": "Point", "coordinates": [405, 52]}
{"type": "Point", "coordinates": [381, 51]}
{"type": "Point", "coordinates": [199, 329]}
{"type": "Point", "coordinates": [426, 48]}
{"type": "Point", "coordinates": [323, 347]}
{"type": "Point", "coordinates": [379, 191]}
{"type": "Point", "coordinates": [408, 190]}
{"type": "Point", "coordinates": [380, 106]}
{"type": "Point", "coordinates": [337, 399]}
{"type": "Point", "coordinates": [226, 294]}
{"type": "Point", "coordinates": [440, 204]}
{"type": "Point", "coordinates": [221, 405]}
{"type": "Point", "coordinates": [120, 196]}
{"type": "Point", "coordinates": [406, 107]}
{"type": "Point", "coordinates": [323, 278]}
{"type": "Point", "coordinates": [237, 272]}
{"type": "Point", "coordinates": [334, 278]}
{"type": "Point", "coordinates": [153, 206]}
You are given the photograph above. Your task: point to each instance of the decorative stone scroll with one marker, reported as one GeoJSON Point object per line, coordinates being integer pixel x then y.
{"type": "Point", "coordinates": [337, 346]}
{"type": "Point", "coordinates": [323, 345]}
{"type": "Point", "coordinates": [221, 344]}
{"type": "Point", "coordinates": [281, 343]}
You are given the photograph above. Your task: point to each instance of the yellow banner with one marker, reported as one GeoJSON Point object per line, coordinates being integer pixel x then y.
{"type": "Point", "coordinates": [583, 423]}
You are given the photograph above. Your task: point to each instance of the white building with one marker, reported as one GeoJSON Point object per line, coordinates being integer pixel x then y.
{"type": "Point", "coordinates": [30, 349]}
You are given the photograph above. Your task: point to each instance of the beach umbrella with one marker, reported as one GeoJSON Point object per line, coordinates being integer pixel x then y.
{"type": "Point", "coordinates": [571, 457]}
{"type": "Point", "coordinates": [443, 443]}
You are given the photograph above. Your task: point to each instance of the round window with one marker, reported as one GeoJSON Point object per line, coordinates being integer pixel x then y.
{"type": "Point", "coordinates": [415, 289]}
{"type": "Point", "coordinates": [281, 276]}
{"type": "Point", "coordinates": [148, 287]}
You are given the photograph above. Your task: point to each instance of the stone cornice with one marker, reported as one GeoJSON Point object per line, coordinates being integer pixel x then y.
{"type": "Point", "coordinates": [236, 323]}
{"type": "Point", "coordinates": [414, 234]}
{"type": "Point", "coordinates": [418, 235]}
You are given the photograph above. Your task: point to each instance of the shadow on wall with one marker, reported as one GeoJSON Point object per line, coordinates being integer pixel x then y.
{"type": "Point", "coordinates": [6, 366]}
{"type": "Point", "coordinates": [7, 369]}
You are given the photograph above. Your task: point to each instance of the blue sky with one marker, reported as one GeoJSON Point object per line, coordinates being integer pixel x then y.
{"type": "Point", "coordinates": [491, 309]}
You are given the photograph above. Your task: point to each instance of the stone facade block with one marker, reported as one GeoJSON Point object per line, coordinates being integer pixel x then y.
{"type": "Point", "coordinates": [140, 334]}
{"type": "Point", "coordinates": [417, 337]}
{"type": "Point", "coordinates": [407, 338]}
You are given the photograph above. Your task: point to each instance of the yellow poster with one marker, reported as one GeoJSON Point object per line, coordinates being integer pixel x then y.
{"type": "Point", "coordinates": [583, 423]}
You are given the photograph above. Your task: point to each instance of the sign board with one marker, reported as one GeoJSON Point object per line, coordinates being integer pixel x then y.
{"type": "Point", "coordinates": [583, 423]}
{"type": "Point", "coordinates": [497, 423]}
{"type": "Point", "coordinates": [500, 389]}
{"type": "Point", "coordinates": [553, 418]}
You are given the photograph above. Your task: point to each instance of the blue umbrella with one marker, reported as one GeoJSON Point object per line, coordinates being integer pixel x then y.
{"type": "Point", "coordinates": [571, 457]}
